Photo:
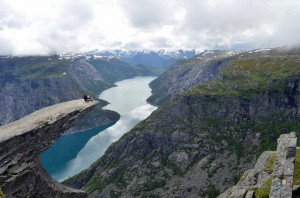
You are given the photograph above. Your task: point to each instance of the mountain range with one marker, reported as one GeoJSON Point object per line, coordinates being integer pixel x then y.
{"type": "Point", "coordinates": [160, 58]}
{"type": "Point", "coordinates": [201, 140]}
{"type": "Point", "coordinates": [32, 82]}
{"type": "Point", "coordinates": [219, 110]}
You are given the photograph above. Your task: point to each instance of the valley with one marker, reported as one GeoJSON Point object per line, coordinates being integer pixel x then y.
{"type": "Point", "coordinates": [149, 99]}
{"type": "Point", "coordinates": [218, 111]}
{"type": "Point", "coordinates": [76, 152]}
{"type": "Point", "coordinates": [200, 141]}
{"type": "Point", "coordinates": [41, 81]}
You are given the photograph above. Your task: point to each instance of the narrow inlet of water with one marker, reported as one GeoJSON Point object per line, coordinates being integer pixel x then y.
{"type": "Point", "coordinates": [75, 152]}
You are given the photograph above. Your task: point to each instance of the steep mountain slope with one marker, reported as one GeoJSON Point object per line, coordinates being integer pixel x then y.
{"type": "Point", "coordinates": [201, 141]}
{"type": "Point", "coordinates": [272, 175]}
{"type": "Point", "coordinates": [186, 74]}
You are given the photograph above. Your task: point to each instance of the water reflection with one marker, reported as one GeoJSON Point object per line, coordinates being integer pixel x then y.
{"type": "Point", "coordinates": [66, 148]}
{"type": "Point", "coordinates": [128, 99]}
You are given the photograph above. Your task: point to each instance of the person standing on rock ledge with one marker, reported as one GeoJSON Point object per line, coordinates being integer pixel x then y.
{"type": "Point", "coordinates": [87, 98]}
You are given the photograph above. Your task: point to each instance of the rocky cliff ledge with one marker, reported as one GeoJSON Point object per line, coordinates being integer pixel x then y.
{"type": "Point", "coordinates": [273, 174]}
{"type": "Point", "coordinates": [22, 141]}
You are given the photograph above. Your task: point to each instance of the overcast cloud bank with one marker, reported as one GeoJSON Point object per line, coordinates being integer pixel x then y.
{"type": "Point", "coordinates": [35, 27]}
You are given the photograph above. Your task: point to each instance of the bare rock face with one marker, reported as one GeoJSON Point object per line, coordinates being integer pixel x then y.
{"type": "Point", "coordinates": [283, 175]}
{"type": "Point", "coordinates": [253, 178]}
{"type": "Point", "coordinates": [272, 175]}
{"type": "Point", "coordinates": [21, 142]}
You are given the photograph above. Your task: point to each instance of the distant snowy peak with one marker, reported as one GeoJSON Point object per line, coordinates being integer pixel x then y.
{"type": "Point", "coordinates": [169, 54]}
{"type": "Point", "coordinates": [73, 56]}
{"type": "Point", "coordinates": [259, 50]}
{"type": "Point", "coordinates": [161, 58]}
{"type": "Point", "coordinates": [177, 54]}
{"type": "Point", "coordinates": [217, 53]}
{"type": "Point", "coordinates": [110, 53]}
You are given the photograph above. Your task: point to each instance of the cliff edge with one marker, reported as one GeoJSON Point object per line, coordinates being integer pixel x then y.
{"type": "Point", "coordinates": [22, 141]}
{"type": "Point", "coordinates": [273, 174]}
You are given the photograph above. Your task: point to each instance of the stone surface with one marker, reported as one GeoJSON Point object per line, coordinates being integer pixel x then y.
{"type": "Point", "coordinates": [21, 142]}
{"type": "Point", "coordinates": [253, 178]}
{"type": "Point", "coordinates": [250, 194]}
{"type": "Point", "coordinates": [240, 193]}
{"type": "Point", "coordinates": [283, 175]}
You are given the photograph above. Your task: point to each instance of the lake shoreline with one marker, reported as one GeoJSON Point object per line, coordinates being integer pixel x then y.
{"type": "Point", "coordinates": [77, 151]}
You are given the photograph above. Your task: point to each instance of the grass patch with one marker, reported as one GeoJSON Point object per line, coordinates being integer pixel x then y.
{"type": "Point", "coordinates": [250, 77]}
{"type": "Point", "coordinates": [271, 163]}
{"type": "Point", "coordinates": [1, 194]}
{"type": "Point", "coordinates": [264, 190]}
{"type": "Point", "coordinates": [297, 168]}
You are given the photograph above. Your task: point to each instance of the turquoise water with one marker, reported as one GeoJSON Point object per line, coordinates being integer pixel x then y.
{"type": "Point", "coordinates": [66, 148]}
{"type": "Point", "coordinates": [76, 152]}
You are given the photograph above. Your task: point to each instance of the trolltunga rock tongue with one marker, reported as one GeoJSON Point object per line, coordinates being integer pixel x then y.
{"type": "Point", "coordinates": [22, 141]}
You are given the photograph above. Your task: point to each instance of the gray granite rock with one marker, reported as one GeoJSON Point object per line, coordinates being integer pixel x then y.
{"type": "Point", "coordinates": [239, 193]}
{"type": "Point", "coordinates": [283, 174]}
{"type": "Point", "coordinates": [250, 194]}
{"type": "Point", "coordinates": [21, 142]}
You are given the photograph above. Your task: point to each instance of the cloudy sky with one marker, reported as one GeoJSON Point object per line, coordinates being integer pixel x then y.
{"type": "Point", "coordinates": [34, 27]}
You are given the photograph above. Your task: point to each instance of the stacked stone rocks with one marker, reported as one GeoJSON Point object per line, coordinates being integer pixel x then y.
{"type": "Point", "coordinates": [281, 172]}
{"type": "Point", "coordinates": [22, 141]}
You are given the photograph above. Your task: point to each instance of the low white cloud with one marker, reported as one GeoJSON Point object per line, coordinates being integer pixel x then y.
{"type": "Point", "coordinates": [58, 26]}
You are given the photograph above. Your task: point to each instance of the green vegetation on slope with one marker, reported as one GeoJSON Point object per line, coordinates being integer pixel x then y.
{"type": "Point", "coordinates": [264, 190]}
{"type": "Point", "coordinates": [250, 77]}
{"type": "Point", "coordinates": [269, 167]}
{"type": "Point", "coordinates": [297, 167]}
{"type": "Point", "coordinates": [38, 68]}
{"type": "Point", "coordinates": [188, 73]}
{"type": "Point", "coordinates": [1, 194]}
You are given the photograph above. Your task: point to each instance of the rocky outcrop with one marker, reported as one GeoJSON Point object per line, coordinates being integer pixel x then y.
{"type": "Point", "coordinates": [272, 175]}
{"type": "Point", "coordinates": [283, 174]}
{"type": "Point", "coordinates": [21, 142]}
